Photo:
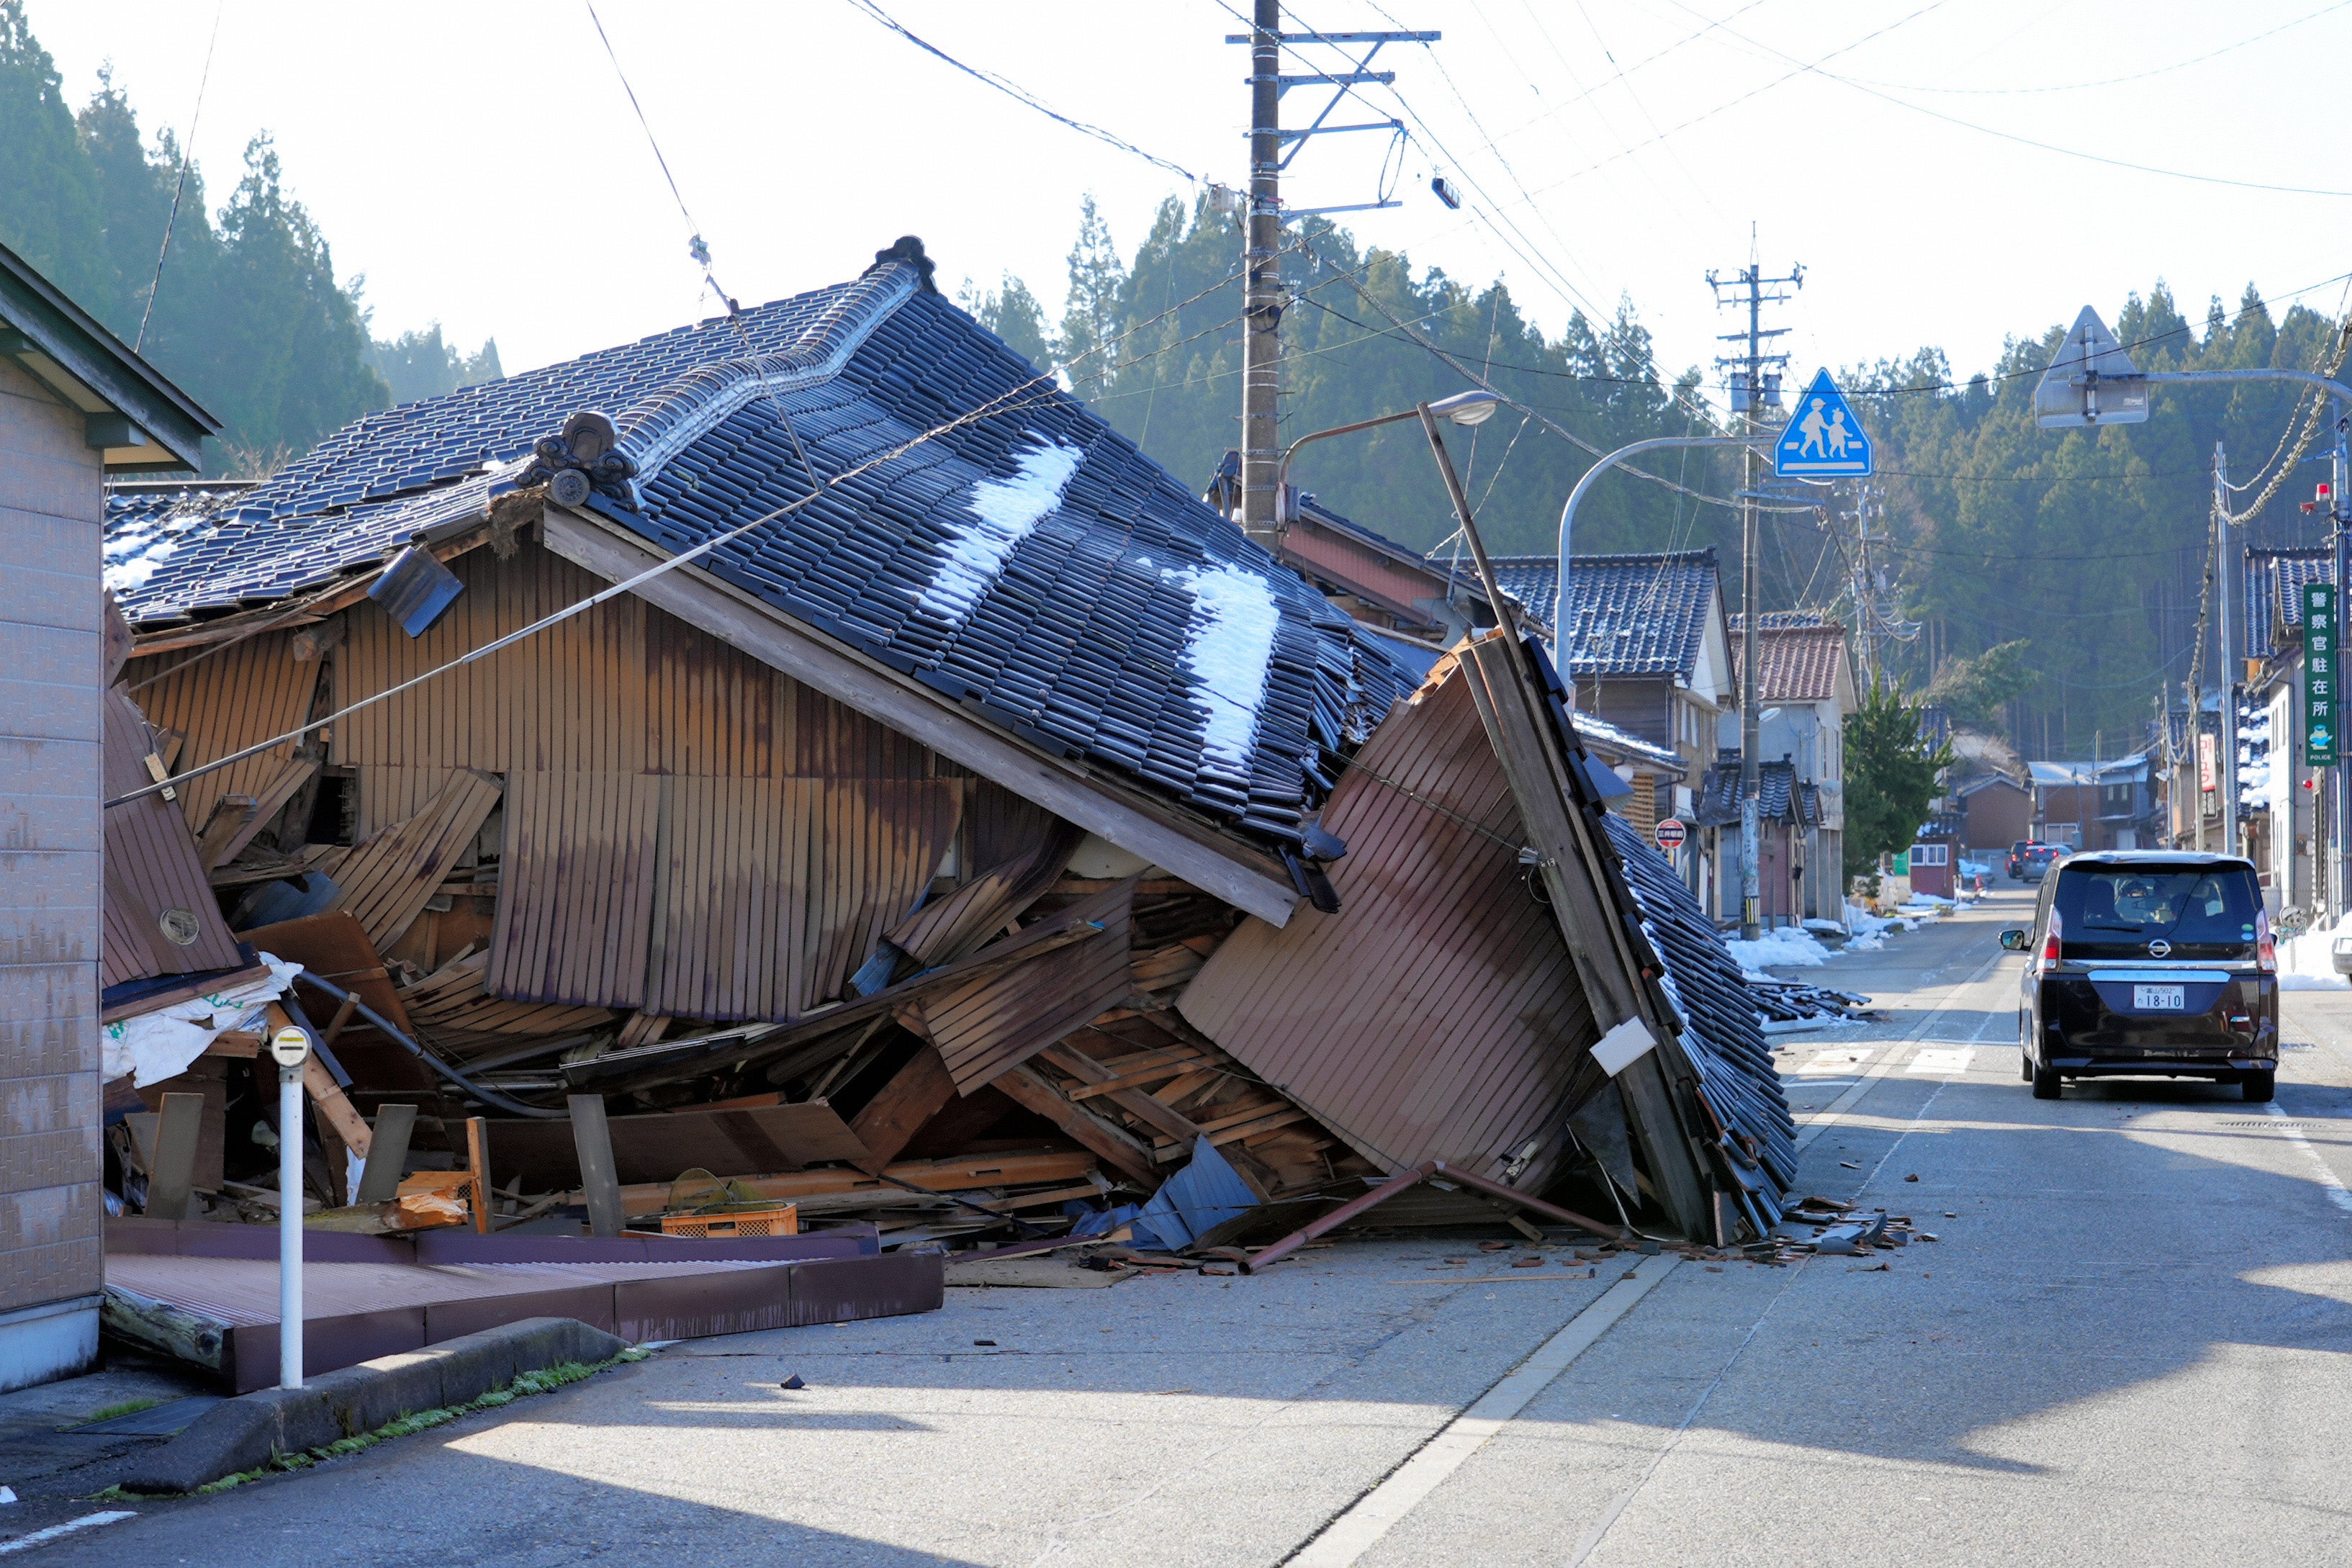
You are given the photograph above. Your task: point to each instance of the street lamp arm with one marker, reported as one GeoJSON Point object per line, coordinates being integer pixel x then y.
{"type": "Point", "coordinates": [1282, 470]}
{"type": "Point", "coordinates": [1567, 512]}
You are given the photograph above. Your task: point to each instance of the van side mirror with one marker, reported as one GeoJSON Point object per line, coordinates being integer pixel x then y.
{"type": "Point", "coordinates": [2014, 939]}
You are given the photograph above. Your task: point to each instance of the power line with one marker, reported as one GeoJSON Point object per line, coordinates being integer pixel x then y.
{"type": "Point", "coordinates": [1020, 94]}
{"type": "Point", "coordinates": [1814, 69]}
{"type": "Point", "coordinates": [180, 186]}
{"type": "Point", "coordinates": [2118, 81]}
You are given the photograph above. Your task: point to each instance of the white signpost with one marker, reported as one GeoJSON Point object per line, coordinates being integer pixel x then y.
{"type": "Point", "coordinates": [291, 1047]}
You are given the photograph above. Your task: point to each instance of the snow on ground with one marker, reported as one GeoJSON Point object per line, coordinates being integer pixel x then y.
{"type": "Point", "coordinates": [1784, 945]}
{"type": "Point", "coordinates": [2305, 962]}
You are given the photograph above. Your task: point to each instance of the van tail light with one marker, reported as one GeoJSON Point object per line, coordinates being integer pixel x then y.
{"type": "Point", "coordinates": [2266, 948]}
{"type": "Point", "coordinates": [2050, 943]}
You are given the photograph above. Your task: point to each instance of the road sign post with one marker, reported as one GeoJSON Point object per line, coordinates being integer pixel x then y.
{"type": "Point", "coordinates": [290, 1049]}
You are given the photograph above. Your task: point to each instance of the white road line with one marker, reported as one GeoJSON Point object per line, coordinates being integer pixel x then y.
{"type": "Point", "coordinates": [2337, 1194]}
{"type": "Point", "coordinates": [1823, 1120]}
{"type": "Point", "coordinates": [43, 1537]}
{"type": "Point", "coordinates": [1346, 1538]}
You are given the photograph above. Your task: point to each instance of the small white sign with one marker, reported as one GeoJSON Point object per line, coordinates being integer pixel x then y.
{"type": "Point", "coordinates": [1621, 1047]}
{"type": "Point", "coordinates": [290, 1046]}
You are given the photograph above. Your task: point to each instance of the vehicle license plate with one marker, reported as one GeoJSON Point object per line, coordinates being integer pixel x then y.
{"type": "Point", "coordinates": [2173, 997]}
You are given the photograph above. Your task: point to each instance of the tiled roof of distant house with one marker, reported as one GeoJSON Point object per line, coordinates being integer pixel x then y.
{"type": "Point", "coordinates": [1633, 614]}
{"type": "Point", "coordinates": [1801, 661]}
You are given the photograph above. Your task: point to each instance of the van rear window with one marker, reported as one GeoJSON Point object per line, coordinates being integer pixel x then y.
{"type": "Point", "coordinates": [2109, 910]}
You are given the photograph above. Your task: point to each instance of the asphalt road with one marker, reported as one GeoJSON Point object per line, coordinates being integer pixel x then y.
{"type": "Point", "coordinates": [2121, 1349]}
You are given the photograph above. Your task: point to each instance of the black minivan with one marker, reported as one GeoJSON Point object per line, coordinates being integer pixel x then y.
{"type": "Point", "coordinates": [2149, 963]}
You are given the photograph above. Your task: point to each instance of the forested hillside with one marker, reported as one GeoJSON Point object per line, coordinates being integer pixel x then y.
{"type": "Point", "coordinates": [250, 317]}
{"type": "Point", "coordinates": [2087, 549]}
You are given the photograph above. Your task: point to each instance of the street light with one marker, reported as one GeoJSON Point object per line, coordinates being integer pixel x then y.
{"type": "Point", "coordinates": [1472, 407]}
{"type": "Point", "coordinates": [1560, 621]}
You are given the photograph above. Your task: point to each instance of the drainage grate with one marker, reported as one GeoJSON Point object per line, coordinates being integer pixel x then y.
{"type": "Point", "coordinates": [2277, 1124]}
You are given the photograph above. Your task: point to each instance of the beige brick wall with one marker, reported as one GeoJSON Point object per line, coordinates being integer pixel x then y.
{"type": "Point", "coordinates": [51, 1243]}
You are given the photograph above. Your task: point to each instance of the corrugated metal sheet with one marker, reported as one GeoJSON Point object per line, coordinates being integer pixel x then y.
{"type": "Point", "coordinates": [386, 879]}
{"type": "Point", "coordinates": [156, 893]}
{"type": "Point", "coordinates": [225, 701]}
{"type": "Point", "coordinates": [1002, 1020]}
{"type": "Point", "coordinates": [1438, 1015]}
{"type": "Point", "coordinates": [576, 883]}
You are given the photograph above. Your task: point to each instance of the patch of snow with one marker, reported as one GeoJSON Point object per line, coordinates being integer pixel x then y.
{"type": "Point", "coordinates": [1785, 946]}
{"type": "Point", "coordinates": [1824, 928]}
{"type": "Point", "coordinates": [1227, 647]}
{"type": "Point", "coordinates": [1004, 511]}
{"type": "Point", "coordinates": [124, 576]}
{"type": "Point", "coordinates": [2306, 963]}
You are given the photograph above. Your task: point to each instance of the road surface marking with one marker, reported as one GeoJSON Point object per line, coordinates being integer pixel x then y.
{"type": "Point", "coordinates": [1823, 1120]}
{"type": "Point", "coordinates": [2337, 1194]}
{"type": "Point", "coordinates": [1941, 1061]}
{"type": "Point", "coordinates": [43, 1537]}
{"type": "Point", "coordinates": [1354, 1532]}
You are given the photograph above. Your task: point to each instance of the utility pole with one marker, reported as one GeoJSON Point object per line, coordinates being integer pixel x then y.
{"type": "Point", "coordinates": [1262, 269]}
{"type": "Point", "coordinates": [2226, 775]}
{"type": "Point", "coordinates": [1264, 295]}
{"type": "Point", "coordinates": [1751, 387]}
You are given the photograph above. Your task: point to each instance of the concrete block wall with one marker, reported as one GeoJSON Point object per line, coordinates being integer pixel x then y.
{"type": "Point", "coordinates": [52, 1256]}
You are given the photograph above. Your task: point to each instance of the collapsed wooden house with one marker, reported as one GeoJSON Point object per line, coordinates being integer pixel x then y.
{"type": "Point", "coordinates": [973, 827]}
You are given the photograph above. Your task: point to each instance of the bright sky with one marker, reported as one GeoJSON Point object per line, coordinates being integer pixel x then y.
{"type": "Point", "coordinates": [480, 165]}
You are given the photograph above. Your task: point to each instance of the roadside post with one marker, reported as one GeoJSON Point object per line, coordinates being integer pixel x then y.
{"type": "Point", "coordinates": [290, 1049]}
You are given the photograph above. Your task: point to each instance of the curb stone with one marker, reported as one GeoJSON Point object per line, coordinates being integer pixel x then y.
{"type": "Point", "coordinates": [248, 1431]}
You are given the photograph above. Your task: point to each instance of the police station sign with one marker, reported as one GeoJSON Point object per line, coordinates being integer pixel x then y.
{"type": "Point", "coordinates": [2319, 693]}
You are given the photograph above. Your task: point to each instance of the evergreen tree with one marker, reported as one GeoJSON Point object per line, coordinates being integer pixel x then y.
{"type": "Point", "coordinates": [1013, 313]}
{"type": "Point", "coordinates": [1890, 772]}
{"type": "Point", "coordinates": [49, 211]}
{"type": "Point", "coordinates": [417, 365]}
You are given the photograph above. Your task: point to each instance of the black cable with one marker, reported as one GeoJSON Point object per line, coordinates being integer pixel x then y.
{"type": "Point", "coordinates": [487, 1096]}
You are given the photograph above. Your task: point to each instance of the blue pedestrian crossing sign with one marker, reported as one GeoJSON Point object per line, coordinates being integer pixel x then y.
{"type": "Point", "coordinates": [1822, 440]}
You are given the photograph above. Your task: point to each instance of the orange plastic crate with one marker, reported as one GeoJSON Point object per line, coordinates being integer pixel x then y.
{"type": "Point", "coordinates": [778, 1219]}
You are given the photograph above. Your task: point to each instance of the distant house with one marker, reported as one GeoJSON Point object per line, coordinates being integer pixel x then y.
{"type": "Point", "coordinates": [1805, 689]}
{"type": "Point", "coordinates": [1996, 811]}
{"type": "Point", "coordinates": [1789, 816]}
{"type": "Point", "coordinates": [75, 406]}
{"type": "Point", "coordinates": [2095, 805]}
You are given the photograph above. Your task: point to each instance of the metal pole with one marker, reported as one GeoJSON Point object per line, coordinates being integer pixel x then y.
{"type": "Point", "coordinates": [1262, 333]}
{"type": "Point", "coordinates": [1751, 772]}
{"type": "Point", "coordinates": [290, 1227]}
{"type": "Point", "coordinates": [2226, 776]}
{"type": "Point", "coordinates": [1559, 607]}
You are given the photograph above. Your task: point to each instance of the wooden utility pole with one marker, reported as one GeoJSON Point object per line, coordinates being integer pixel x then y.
{"type": "Point", "coordinates": [1262, 300]}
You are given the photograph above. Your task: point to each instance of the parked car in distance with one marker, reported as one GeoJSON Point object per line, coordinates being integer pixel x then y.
{"type": "Point", "coordinates": [2015, 863]}
{"type": "Point", "coordinates": [2149, 964]}
{"type": "Point", "coordinates": [2037, 860]}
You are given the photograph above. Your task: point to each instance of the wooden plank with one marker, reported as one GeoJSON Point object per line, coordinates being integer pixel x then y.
{"type": "Point", "coordinates": [171, 1174]}
{"type": "Point", "coordinates": [386, 880]}
{"type": "Point", "coordinates": [1117, 1146]}
{"type": "Point", "coordinates": [158, 915]}
{"type": "Point", "coordinates": [387, 1152]}
{"type": "Point", "coordinates": [592, 1139]}
{"type": "Point", "coordinates": [657, 1146]}
{"type": "Point", "coordinates": [335, 1106]}
{"type": "Point", "coordinates": [478, 1170]}
{"type": "Point", "coordinates": [916, 1092]}
{"type": "Point", "coordinates": [232, 816]}
{"type": "Point", "coordinates": [269, 799]}
{"type": "Point", "coordinates": [1098, 801]}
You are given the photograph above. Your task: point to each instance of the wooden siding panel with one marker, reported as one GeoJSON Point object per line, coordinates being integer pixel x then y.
{"type": "Point", "coordinates": [386, 880]}
{"type": "Point", "coordinates": [1002, 1019]}
{"type": "Point", "coordinates": [152, 866]}
{"type": "Point", "coordinates": [1437, 1016]}
{"type": "Point", "coordinates": [575, 889]}
{"type": "Point", "coordinates": [732, 899]}
{"type": "Point", "coordinates": [879, 842]}
{"type": "Point", "coordinates": [455, 1011]}
{"type": "Point", "coordinates": [225, 701]}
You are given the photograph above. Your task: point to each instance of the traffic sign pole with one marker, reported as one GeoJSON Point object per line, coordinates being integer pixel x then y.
{"type": "Point", "coordinates": [290, 1049]}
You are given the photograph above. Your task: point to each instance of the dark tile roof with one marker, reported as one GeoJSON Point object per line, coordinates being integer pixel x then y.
{"type": "Point", "coordinates": [1720, 1036]}
{"type": "Point", "coordinates": [1800, 658]}
{"type": "Point", "coordinates": [1633, 614]}
{"type": "Point", "coordinates": [2272, 586]}
{"type": "Point", "coordinates": [1028, 560]}
{"type": "Point", "coordinates": [1780, 797]}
